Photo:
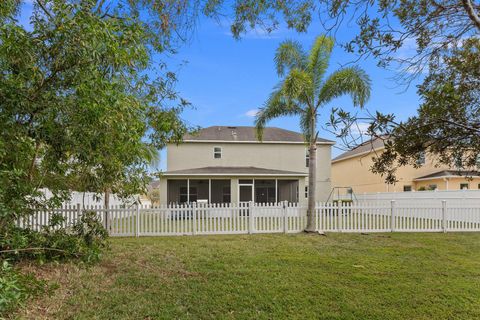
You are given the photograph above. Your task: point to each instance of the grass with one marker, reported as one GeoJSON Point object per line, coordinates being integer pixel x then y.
{"type": "Point", "coordinates": [340, 276]}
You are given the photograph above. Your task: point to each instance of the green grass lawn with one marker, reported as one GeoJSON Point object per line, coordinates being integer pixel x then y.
{"type": "Point", "coordinates": [338, 276]}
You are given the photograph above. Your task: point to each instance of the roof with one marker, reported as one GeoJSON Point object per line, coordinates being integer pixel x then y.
{"type": "Point", "coordinates": [449, 174]}
{"type": "Point", "coordinates": [233, 171]}
{"type": "Point", "coordinates": [364, 148]}
{"type": "Point", "coordinates": [247, 134]}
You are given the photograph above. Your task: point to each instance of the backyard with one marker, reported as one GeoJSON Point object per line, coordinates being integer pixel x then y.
{"type": "Point", "coordinates": [338, 276]}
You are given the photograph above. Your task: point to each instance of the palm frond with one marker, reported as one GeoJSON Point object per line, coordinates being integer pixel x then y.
{"type": "Point", "coordinates": [276, 106]}
{"type": "Point", "coordinates": [150, 153]}
{"type": "Point", "coordinates": [319, 58]}
{"type": "Point", "coordinates": [352, 81]}
{"type": "Point", "coordinates": [289, 55]}
{"type": "Point", "coordinates": [298, 85]}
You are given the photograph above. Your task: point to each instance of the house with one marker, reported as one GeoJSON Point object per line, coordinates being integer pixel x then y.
{"type": "Point", "coordinates": [351, 169]}
{"type": "Point", "coordinates": [221, 164]}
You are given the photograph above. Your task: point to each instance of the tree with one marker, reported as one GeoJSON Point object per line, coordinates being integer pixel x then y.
{"type": "Point", "coordinates": [447, 125]}
{"type": "Point", "coordinates": [303, 90]}
{"type": "Point", "coordinates": [427, 27]}
{"type": "Point", "coordinates": [83, 103]}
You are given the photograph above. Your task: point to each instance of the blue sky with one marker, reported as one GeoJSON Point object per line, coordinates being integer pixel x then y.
{"type": "Point", "coordinates": [227, 80]}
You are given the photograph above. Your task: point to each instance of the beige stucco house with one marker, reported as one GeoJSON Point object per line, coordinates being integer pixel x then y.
{"type": "Point", "coordinates": [352, 170]}
{"type": "Point", "coordinates": [222, 164]}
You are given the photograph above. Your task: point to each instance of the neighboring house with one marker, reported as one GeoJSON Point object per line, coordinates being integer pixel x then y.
{"type": "Point", "coordinates": [352, 169]}
{"type": "Point", "coordinates": [229, 165]}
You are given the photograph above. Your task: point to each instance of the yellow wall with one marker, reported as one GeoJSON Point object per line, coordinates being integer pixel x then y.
{"type": "Point", "coordinates": [355, 172]}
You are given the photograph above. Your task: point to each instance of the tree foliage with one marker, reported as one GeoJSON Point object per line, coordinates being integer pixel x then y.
{"type": "Point", "coordinates": [384, 29]}
{"type": "Point", "coordinates": [304, 89]}
{"type": "Point", "coordinates": [447, 123]}
{"type": "Point", "coordinates": [84, 101]}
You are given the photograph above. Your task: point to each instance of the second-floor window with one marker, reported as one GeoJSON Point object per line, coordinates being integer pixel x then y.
{"type": "Point", "coordinates": [217, 152]}
{"type": "Point", "coordinates": [307, 158]}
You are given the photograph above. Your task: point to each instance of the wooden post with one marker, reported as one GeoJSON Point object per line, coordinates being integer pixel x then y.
{"type": "Point", "coordinates": [137, 221]}
{"type": "Point", "coordinates": [285, 217]}
{"type": "Point", "coordinates": [444, 216]}
{"type": "Point", "coordinates": [194, 218]}
{"type": "Point", "coordinates": [250, 217]}
{"type": "Point", "coordinates": [392, 218]}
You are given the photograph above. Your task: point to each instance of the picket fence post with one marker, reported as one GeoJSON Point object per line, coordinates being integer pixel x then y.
{"type": "Point", "coordinates": [79, 212]}
{"type": "Point", "coordinates": [285, 218]}
{"type": "Point", "coordinates": [444, 216]}
{"type": "Point", "coordinates": [339, 215]}
{"type": "Point", "coordinates": [194, 213]}
{"type": "Point", "coordinates": [250, 217]}
{"type": "Point", "coordinates": [392, 218]}
{"type": "Point", "coordinates": [137, 221]}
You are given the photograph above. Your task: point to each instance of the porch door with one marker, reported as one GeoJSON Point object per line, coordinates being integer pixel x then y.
{"type": "Point", "coordinates": [246, 193]}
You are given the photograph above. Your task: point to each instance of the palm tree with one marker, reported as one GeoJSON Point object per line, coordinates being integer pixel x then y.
{"type": "Point", "coordinates": [303, 90]}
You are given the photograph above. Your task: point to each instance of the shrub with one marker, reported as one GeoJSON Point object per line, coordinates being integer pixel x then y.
{"type": "Point", "coordinates": [84, 240]}
{"type": "Point", "coordinates": [16, 287]}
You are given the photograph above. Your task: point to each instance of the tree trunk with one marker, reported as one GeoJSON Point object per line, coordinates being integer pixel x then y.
{"type": "Point", "coordinates": [312, 178]}
{"type": "Point", "coordinates": [106, 203]}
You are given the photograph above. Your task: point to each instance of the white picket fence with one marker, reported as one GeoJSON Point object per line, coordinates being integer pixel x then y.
{"type": "Point", "coordinates": [247, 218]}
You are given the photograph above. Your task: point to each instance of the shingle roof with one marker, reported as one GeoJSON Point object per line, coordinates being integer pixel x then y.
{"type": "Point", "coordinates": [449, 173]}
{"type": "Point", "coordinates": [234, 171]}
{"type": "Point", "coordinates": [247, 134]}
{"type": "Point", "coordinates": [364, 148]}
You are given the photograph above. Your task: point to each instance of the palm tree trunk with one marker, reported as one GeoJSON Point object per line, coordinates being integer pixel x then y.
{"type": "Point", "coordinates": [312, 178]}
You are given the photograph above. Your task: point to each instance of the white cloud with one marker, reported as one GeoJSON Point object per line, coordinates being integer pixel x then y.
{"type": "Point", "coordinates": [360, 128]}
{"type": "Point", "coordinates": [252, 113]}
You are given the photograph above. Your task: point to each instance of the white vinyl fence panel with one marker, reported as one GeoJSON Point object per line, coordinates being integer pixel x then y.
{"type": "Point", "coordinates": [248, 218]}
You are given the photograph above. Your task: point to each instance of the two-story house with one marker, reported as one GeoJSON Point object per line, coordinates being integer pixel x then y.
{"type": "Point", "coordinates": [351, 169]}
{"type": "Point", "coordinates": [222, 164]}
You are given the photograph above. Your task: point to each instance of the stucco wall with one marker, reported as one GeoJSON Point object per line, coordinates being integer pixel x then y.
{"type": "Point", "coordinates": [355, 172]}
{"type": "Point", "coordinates": [289, 157]}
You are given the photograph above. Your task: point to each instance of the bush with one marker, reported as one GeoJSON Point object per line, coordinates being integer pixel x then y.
{"type": "Point", "coordinates": [84, 240]}
{"type": "Point", "coordinates": [16, 287]}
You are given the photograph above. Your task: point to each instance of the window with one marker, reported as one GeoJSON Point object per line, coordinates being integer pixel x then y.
{"type": "Point", "coordinates": [245, 181]}
{"type": "Point", "coordinates": [432, 187]}
{"type": "Point", "coordinates": [217, 152]}
{"type": "Point", "coordinates": [184, 195]}
{"type": "Point", "coordinates": [479, 186]}
{"type": "Point", "coordinates": [307, 158]}
{"type": "Point", "coordinates": [407, 188]}
{"type": "Point", "coordinates": [421, 158]}
{"type": "Point", "coordinates": [306, 191]}
{"type": "Point", "coordinates": [463, 186]}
